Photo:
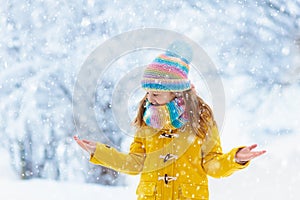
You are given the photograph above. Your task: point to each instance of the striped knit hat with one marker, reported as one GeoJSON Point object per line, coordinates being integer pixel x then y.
{"type": "Point", "coordinates": [169, 72]}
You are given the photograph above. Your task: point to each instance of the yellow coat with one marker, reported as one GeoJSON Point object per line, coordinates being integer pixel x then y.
{"type": "Point", "coordinates": [173, 164]}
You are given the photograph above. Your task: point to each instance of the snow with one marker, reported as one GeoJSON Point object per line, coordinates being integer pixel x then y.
{"type": "Point", "coordinates": [272, 176]}
{"type": "Point", "coordinates": [14, 189]}
{"type": "Point", "coordinates": [255, 46]}
{"type": "Point", "coordinates": [51, 190]}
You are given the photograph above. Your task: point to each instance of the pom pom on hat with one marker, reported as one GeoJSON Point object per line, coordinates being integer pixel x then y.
{"type": "Point", "coordinates": [169, 71]}
{"type": "Point", "coordinates": [181, 50]}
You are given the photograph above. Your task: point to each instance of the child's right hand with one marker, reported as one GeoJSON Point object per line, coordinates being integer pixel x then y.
{"type": "Point", "coordinates": [89, 146]}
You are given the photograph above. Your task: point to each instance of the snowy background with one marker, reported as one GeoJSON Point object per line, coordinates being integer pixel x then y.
{"type": "Point", "coordinates": [254, 44]}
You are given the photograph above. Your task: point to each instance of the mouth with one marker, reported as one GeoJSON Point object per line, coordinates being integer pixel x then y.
{"type": "Point", "coordinates": [153, 104]}
{"type": "Point", "coordinates": [157, 104]}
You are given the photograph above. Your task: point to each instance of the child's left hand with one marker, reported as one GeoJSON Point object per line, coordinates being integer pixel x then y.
{"type": "Point", "coordinates": [246, 154]}
{"type": "Point", "coordinates": [89, 146]}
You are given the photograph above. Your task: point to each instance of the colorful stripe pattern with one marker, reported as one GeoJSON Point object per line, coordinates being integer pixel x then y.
{"type": "Point", "coordinates": [166, 73]}
{"type": "Point", "coordinates": [169, 116]}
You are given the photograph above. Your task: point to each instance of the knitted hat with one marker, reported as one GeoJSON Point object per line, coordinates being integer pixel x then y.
{"type": "Point", "coordinates": [168, 72]}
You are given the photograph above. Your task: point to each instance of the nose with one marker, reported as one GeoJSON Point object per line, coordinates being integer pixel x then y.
{"type": "Point", "coordinates": [151, 98]}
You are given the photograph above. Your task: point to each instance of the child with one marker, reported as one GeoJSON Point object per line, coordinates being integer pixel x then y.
{"type": "Point", "coordinates": [176, 144]}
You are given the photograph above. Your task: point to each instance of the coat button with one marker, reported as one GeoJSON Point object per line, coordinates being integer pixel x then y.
{"type": "Point", "coordinates": [167, 135]}
{"type": "Point", "coordinates": [169, 156]}
{"type": "Point", "coordinates": [167, 178]}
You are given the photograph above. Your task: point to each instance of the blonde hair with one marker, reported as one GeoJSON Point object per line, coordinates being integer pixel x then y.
{"type": "Point", "coordinates": [199, 113]}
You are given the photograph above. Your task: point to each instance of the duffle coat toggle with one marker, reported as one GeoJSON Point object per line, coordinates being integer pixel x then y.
{"type": "Point", "coordinates": [167, 135]}
{"type": "Point", "coordinates": [182, 178]}
{"type": "Point", "coordinates": [168, 156]}
{"type": "Point", "coordinates": [167, 178]}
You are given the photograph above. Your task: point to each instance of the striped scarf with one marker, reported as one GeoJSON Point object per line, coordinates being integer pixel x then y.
{"type": "Point", "coordinates": [169, 116]}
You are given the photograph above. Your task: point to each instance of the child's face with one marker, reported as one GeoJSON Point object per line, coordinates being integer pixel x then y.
{"type": "Point", "coordinates": [160, 98]}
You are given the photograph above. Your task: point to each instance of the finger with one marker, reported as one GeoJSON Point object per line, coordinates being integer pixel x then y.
{"type": "Point", "coordinates": [89, 143]}
{"type": "Point", "coordinates": [256, 154]}
{"type": "Point", "coordinates": [253, 146]}
{"type": "Point", "coordinates": [82, 145]}
{"type": "Point", "coordinates": [75, 137]}
{"type": "Point", "coordinates": [86, 141]}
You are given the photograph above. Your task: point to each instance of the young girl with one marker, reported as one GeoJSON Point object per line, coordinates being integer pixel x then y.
{"type": "Point", "coordinates": [177, 143]}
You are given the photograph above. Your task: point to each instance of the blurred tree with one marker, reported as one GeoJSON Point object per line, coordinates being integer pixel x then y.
{"type": "Point", "coordinates": [43, 44]}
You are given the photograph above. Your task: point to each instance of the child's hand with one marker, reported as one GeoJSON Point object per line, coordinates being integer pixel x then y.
{"type": "Point", "coordinates": [246, 154]}
{"type": "Point", "coordinates": [89, 146]}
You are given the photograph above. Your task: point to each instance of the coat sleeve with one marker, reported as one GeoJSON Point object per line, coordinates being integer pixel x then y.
{"type": "Point", "coordinates": [214, 161]}
{"type": "Point", "coordinates": [129, 163]}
